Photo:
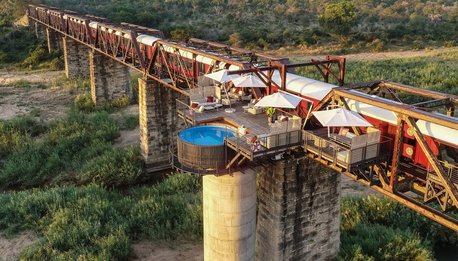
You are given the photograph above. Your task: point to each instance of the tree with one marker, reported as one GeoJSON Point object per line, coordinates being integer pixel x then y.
{"type": "Point", "coordinates": [338, 18]}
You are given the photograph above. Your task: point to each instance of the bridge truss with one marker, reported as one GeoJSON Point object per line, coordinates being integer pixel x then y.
{"type": "Point", "coordinates": [431, 191]}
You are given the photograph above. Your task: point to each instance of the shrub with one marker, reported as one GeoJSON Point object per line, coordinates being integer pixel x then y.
{"type": "Point", "coordinates": [16, 133]}
{"type": "Point", "coordinates": [114, 168]}
{"type": "Point", "coordinates": [93, 223]}
{"type": "Point", "coordinates": [83, 102]}
{"type": "Point", "coordinates": [120, 102]}
{"type": "Point", "coordinates": [377, 242]}
{"type": "Point", "coordinates": [63, 149]}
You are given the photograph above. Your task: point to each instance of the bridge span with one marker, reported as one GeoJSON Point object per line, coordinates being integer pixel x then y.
{"type": "Point", "coordinates": [409, 153]}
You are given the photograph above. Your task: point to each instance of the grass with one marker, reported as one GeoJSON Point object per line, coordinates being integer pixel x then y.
{"type": "Point", "coordinates": [92, 222]}
{"type": "Point", "coordinates": [76, 149]}
{"type": "Point", "coordinates": [439, 72]}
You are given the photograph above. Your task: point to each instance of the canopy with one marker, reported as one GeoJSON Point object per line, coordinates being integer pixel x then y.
{"type": "Point", "coordinates": [249, 80]}
{"type": "Point", "coordinates": [279, 100]}
{"type": "Point", "coordinates": [340, 118]}
{"type": "Point", "coordinates": [221, 76]}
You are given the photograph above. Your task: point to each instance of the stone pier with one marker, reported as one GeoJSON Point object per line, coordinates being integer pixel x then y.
{"type": "Point", "coordinates": [298, 211]}
{"type": "Point", "coordinates": [229, 213]}
{"type": "Point", "coordinates": [159, 123]}
{"type": "Point", "coordinates": [40, 31]}
{"type": "Point", "coordinates": [110, 80]}
{"type": "Point", "coordinates": [54, 40]}
{"type": "Point", "coordinates": [76, 57]}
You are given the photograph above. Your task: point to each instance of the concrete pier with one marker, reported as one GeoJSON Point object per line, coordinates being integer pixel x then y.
{"type": "Point", "coordinates": [159, 123]}
{"type": "Point", "coordinates": [229, 206]}
{"type": "Point", "coordinates": [298, 211]}
{"type": "Point", "coordinates": [76, 57]}
{"type": "Point", "coordinates": [110, 79]}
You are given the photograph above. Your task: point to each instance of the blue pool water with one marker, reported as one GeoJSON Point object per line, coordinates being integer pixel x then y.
{"type": "Point", "coordinates": [206, 135]}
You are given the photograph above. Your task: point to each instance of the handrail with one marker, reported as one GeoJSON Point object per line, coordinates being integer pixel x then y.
{"type": "Point", "coordinates": [184, 108]}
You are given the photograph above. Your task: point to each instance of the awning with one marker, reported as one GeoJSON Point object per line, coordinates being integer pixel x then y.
{"type": "Point", "coordinates": [340, 118]}
{"type": "Point", "coordinates": [221, 76]}
{"type": "Point", "coordinates": [279, 100]}
{"type": "Point", "coordinates": [248, 81]}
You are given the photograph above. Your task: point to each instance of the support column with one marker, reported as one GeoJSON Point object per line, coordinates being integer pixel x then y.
{"type": "Point", "coordinates": [76, 59]}
{"type": "Point", "coordinates": [159, 123]}
{"type": "Point", "coordinates": [229, 206]}
{"type": "Point", "coordinates": [110, 79]}
{"type": "Point", "coordinates": [298, 211]}
{"type": "Point", "coordinates": [53, 40]}
{"type": "Point", "coordinates": [40, 31]}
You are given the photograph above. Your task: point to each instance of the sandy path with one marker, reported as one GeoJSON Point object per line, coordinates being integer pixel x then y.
{"type": "Point", "coordinates": [373, 56]}
{"type": "Point", "coordinates": [146, 250]}
{"type": "Point", "coordinates": [10, 248]}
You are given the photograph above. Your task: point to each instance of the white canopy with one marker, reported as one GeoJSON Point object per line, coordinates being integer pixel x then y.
{"type": "Point", "coordinates": [279, 100]}
{"type": "Point", "coordinates": [249, 80]}
{"type": "Point", "coordinates": [340, 118]}
{"type": "Point", "coordinates": [221, 76]}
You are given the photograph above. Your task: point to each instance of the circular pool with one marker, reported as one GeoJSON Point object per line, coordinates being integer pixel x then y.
{"type": "Point", "coordinates": [202, 147]}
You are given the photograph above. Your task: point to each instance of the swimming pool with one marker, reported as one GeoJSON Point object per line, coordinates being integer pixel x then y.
{"type": "Point", "coordinates": [206, 135]}
{"type": "Point", "coordinates": [202, 147]}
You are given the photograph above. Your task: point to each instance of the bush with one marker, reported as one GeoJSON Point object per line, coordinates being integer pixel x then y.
{"type": "Point", "coordinates": [377, 242]}
{"type": "Point", "coordinates": [66, 144]}
{"type": "Point", "coordinates": [390, 218]}
{"type": "Point", "coordinates": [16, 133]}
{"type": "Point", "coordinates": [83, 102]}
{"type": "Point", "coordinates": [114, 168]}
{"type": "Point", "coordinates": [41, 58]}
{"type": "Point", "coordinates": [93, 223]}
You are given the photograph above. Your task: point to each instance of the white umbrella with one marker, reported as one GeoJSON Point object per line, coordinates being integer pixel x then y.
{"type": "Point", "coordinates": [340, 118]}
{"type": "Point", "coordinates": [279, 100]}
{"type": "Point", "coordinates": [221, 76]}
{"type": "Point", "coordinates": [249, 80]}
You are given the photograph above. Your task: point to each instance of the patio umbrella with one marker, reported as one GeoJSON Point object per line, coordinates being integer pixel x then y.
{"type": "Point", "coordinates": [340, 118]}
{"type": "Point", "coordinates": [249, 80]}
{"type": "Point", "coordinates": [221, 76]}
{"type": "Point", "coordinates": [279, 100]}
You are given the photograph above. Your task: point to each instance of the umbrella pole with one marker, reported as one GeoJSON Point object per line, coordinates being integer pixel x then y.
{"type": "Point", "coordinates": [227, 95]}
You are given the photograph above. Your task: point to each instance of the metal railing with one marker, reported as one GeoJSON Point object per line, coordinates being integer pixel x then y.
{"type": "Point", "coordinates": [265, 144]}
{"type": "Point", "coordinates": [338, 154]}
{"type": "Point", "coordinates": [451, 171]}
{"type": "Point", "coordinates": [186, 112]}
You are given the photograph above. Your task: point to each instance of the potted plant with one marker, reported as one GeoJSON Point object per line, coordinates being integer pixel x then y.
{"type": "Point", "coordinates": [270, 111]}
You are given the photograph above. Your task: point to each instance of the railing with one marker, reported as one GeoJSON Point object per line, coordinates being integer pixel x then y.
{"type": "Point", "coordinates": [265, 144]}
{"type": "Point", "coordinates": [186, 112]}
{"type": "Point", "coordinates": [343, 156]}
{"type": "Point", "coordinates": [451, 171]}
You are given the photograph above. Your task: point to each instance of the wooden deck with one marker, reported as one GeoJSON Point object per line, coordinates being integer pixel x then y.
{"type": "Point", "coordinates": [255, 124]}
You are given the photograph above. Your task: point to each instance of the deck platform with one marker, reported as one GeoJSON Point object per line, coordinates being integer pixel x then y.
{"type": "Point", "coordinates": [255, 124]}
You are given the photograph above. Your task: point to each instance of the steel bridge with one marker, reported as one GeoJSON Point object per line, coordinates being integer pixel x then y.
{"type": "Point", "coordinates": [431, 191]}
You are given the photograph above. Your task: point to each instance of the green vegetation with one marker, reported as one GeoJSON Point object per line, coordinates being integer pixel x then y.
{"type": "Point", "coordinates": [437, 72]}
{"type": "Point", "coordinates": [271, 24]}
{"type": "Point", "coordinates": [76, 149]}
{"type": "Point", "coordinates": [91, 222]}
{"type": "Point", "coordinates": [376, 228]}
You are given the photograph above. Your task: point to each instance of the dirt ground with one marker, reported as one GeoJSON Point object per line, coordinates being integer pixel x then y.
{"type": "Point", "coordinates": [189, 251]}
{"type": "Point", "coordinates": [11, 247]}
{"type": "Point", "coordinates": [374, 56]}
{"type": "Point", "coordinates": [45, 103]}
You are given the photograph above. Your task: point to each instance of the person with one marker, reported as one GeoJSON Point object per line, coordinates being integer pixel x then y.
{"type": "Point", "coordinates": [256, 145]}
